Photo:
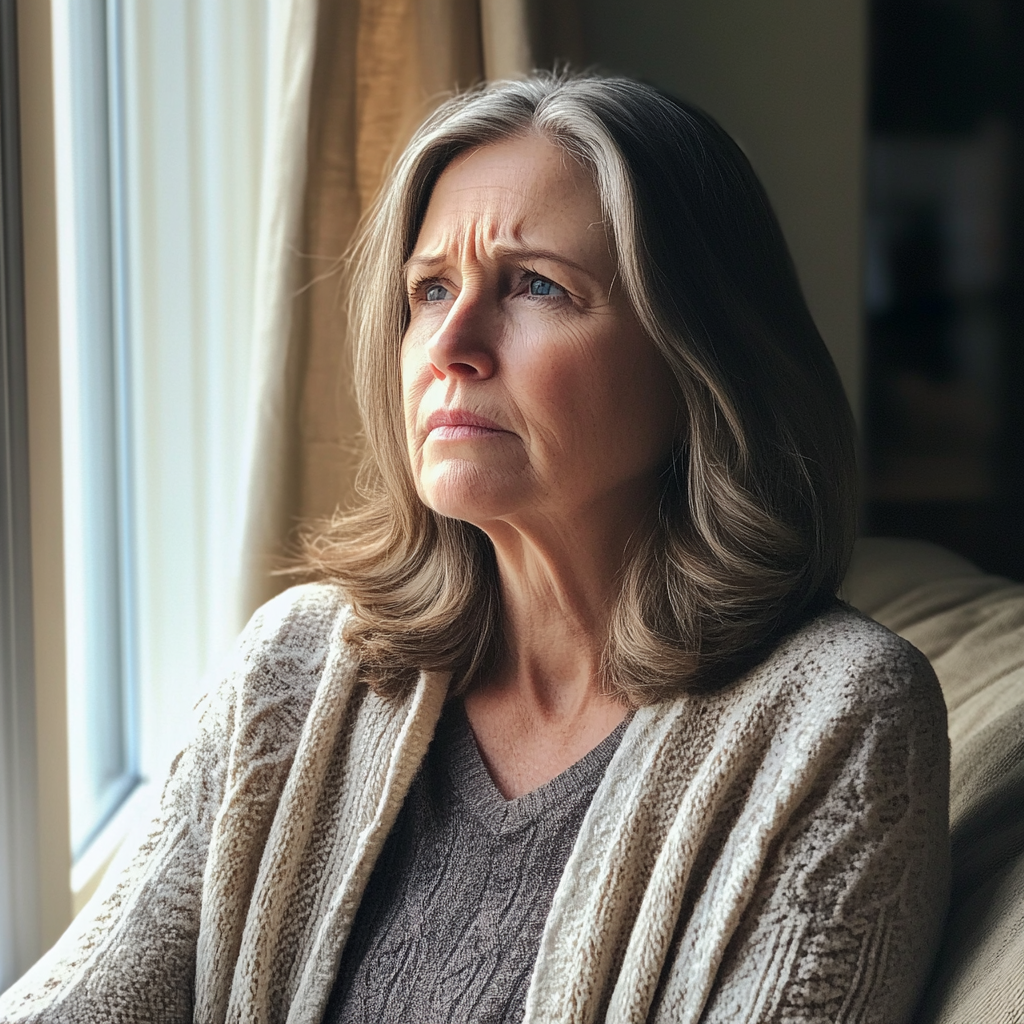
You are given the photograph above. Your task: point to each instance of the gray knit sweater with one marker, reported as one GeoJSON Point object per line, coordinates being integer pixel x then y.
{"type": "Point", "coordinates": [775, 851]}
{"type": "Point", "coordinates": [451, 920]}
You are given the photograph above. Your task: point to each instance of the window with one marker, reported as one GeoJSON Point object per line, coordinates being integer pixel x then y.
{"type": "Point", "coordinates": [98, 549]}
{"type": "Point", "coordinates": [159, 123]}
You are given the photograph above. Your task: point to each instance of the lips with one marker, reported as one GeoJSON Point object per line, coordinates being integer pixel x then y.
{"type": "Point", "coordinates": [460, 424]}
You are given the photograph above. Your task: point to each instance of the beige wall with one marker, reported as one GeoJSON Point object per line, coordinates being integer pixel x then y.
{"type": "Point", "coordinates": [42, 343]}
{"type": "Point", "coordinates": [787, 78]}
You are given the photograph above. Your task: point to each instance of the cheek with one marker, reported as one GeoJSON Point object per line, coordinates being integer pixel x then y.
{"type": "Point", "coordinates": [566, 397]}
{"type": "Point", "coordinates": [580, 381]}
{"type": "Point", "coordinates": [416, 378]}
{"type": "Point", "coordinates": [610, 398]}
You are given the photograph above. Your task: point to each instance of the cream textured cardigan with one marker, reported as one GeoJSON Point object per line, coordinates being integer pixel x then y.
{"type": "Point", "coordinates": [776, 851]}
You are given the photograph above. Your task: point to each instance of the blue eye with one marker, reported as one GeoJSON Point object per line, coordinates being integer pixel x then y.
{"type": "Point", "coordinates": [538, 286]}
{"type": "Point", "coordinates": [436, 293]}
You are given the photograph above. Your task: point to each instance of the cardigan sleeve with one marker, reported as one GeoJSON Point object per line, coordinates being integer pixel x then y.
{"type": "Point", "coordinates": [846, 915]}
{"type": "Point", "coordinates": [130, 955]}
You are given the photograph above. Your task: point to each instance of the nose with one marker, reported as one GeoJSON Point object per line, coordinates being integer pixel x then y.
{"type": "Point", "coordinates": [463, 347]}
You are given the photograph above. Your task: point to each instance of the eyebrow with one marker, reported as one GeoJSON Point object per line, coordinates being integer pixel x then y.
{"type": "Point", "coordinates": [518, 252]}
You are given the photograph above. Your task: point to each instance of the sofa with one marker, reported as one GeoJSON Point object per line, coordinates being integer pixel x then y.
{"type": "Point", "coordinates": [971, 627]}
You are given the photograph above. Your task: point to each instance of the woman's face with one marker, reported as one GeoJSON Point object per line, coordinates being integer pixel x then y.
{"type": "Point", "coordinates": [530, 392]}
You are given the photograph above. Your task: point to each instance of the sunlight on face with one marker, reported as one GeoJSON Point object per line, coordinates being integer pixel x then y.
{"type": "Point", "coordinates": [530, 391]}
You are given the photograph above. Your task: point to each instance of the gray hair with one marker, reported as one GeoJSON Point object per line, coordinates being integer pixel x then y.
{"type": "Point", "coordinates": [756, 520]}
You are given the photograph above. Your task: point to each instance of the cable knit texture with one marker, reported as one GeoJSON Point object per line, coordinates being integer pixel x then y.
{"type": "Point", "coordinates": [775, 851]}
{"type": "Point", "coordinates": [449, 926]}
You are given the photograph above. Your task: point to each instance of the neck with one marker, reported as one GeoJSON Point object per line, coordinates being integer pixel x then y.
{"type": "Point", "coordinates": [543, 707]}
{"type": "Point", "coordinates": [558, 591]}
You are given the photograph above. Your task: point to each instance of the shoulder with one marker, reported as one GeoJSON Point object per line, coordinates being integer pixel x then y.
{"type": "Point", "coordinates": [307, 617]}
{"type": "Point", "coordinates": [853, 776]}
{"type": "Point", "coordinates": [844, 656]}
{"type": "Point", "coordinates": [845, 679]}
{"type": "Point", "coordinates": [278, 663]}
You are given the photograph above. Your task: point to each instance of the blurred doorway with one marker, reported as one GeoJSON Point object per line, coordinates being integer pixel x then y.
{"type": "Point", "coordinates": [945, 277]}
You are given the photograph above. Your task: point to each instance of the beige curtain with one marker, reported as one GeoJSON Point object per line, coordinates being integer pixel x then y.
{"type": "Point", "coordinates": [350, 81]}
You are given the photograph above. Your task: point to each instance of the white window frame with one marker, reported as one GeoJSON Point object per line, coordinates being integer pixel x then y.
{"type": "Point", "coordinates": [182, 614]}
{"type": "Point", "coordinates": [185, 87]}
{"type": "Point", "coordinates": [99, 569]}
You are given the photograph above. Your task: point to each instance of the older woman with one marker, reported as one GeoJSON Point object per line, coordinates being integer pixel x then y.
{"type": "Point", "coordinates": [577, 730]}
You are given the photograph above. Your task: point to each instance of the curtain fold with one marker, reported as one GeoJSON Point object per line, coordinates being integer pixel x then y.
{"type": "Point", "coordinates": [350, 82]}
{"type": "Point", "coordinates": [269, 444]}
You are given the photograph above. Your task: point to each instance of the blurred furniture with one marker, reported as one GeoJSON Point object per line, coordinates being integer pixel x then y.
{"type": "Point", "coordinates": [971, 627]}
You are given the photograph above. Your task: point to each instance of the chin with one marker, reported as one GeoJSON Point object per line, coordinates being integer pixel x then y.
{"type": "Point", "coordinates": [465, 492]}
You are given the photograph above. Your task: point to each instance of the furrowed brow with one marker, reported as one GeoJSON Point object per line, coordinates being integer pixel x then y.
{"type": "Point", "coordinates": [522, 253]}
{"type": "Point", "coordinates": [426, 261]}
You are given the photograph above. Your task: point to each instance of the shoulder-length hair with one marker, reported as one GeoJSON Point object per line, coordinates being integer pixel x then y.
{"type": "Point", "coordinates": [756, 519]}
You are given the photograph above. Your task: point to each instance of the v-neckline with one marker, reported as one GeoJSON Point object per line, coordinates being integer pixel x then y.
{"type": "Point", "coordinates": [472, 781]}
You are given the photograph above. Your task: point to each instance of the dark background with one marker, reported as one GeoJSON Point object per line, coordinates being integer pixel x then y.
{"type": "Point", "coordinates": [944, 277]}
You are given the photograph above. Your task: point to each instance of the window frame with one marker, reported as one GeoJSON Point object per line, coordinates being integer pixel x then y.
{"type": "Point", "coordinates": [19, 847]}
{"type": "Point", "coordinates": [103, 731]}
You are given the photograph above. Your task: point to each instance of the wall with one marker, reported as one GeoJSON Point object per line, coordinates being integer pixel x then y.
{"type": "Point", "coordinates": [787, 78]}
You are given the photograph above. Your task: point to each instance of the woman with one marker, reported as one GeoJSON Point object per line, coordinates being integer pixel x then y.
{"type": "Point", "coordinates": [577, 730]}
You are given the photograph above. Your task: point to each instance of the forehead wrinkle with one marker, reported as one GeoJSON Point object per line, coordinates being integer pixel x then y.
{"type": "Point", "coordinates": [515, 188]}
{"type": "Point", "coordinates": [495, 218]}
{"type": "Point", "coordinates": [491, 235]}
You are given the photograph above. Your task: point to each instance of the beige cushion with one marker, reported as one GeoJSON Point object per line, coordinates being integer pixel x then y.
{"type": "Point", "coordinates": [971, 627]}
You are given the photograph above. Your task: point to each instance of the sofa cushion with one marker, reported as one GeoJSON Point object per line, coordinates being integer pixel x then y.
{"type": "Point", "coordinates": [971, 627]}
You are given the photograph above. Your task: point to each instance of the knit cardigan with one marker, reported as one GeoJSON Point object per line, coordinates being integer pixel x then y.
{"type": "Point", "coordinates": [773, 851]}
